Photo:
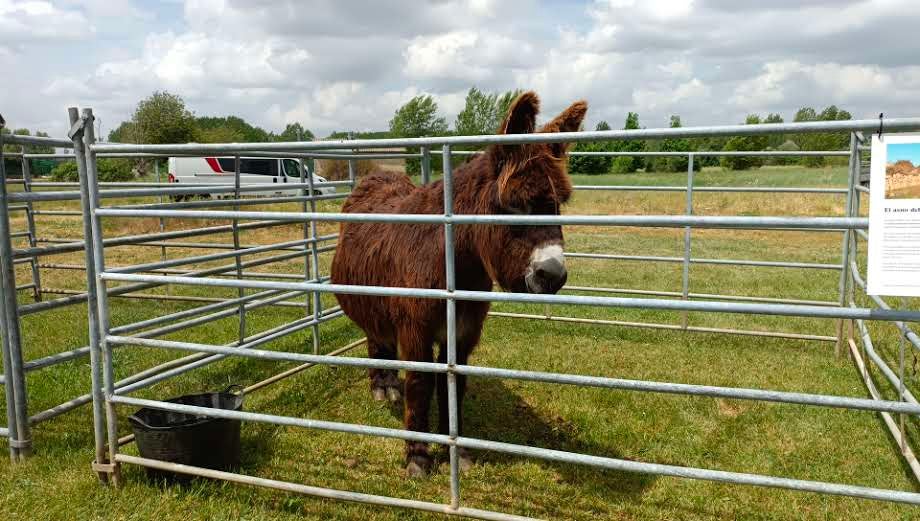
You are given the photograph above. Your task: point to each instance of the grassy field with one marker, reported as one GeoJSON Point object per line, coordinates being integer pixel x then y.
{"type": "Point", "coordinates": [783, 440]}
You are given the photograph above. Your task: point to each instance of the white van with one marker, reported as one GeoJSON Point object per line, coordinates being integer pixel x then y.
{"type": "Point", "coordinates": [219, 171]}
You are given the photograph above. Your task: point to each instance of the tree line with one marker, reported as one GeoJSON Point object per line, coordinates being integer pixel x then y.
{"type": "Point", "coordinates": [483, 113]}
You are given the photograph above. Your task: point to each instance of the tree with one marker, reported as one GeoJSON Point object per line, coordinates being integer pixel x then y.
{"type": "Point", "coordinates": [294, 132]}
{"type": "Point", "coordinates": [774, 140]}
{"type": "Point", "coordinates": [233, 126]}
{"type": "Point", "coordinates": [675, 163]}
{"type": "Point", "coordinates": [220, 135]}
{"type": "Point", "coordinates": [418, 117]}
{"type": "Point", "coordinates": [479, 114]}
{"type": "Point", "coordinates": [163, 118]}
{"type": "Point", "coordinates": [744, 144]}
{"type": "Point", "coordinates": [592, 165]}
{"type": "Point", "coordinates": [628, 164]}
{"type": "Point", "coordinates": [824, 140]}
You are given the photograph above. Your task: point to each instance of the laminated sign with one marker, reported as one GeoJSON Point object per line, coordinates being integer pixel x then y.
{"type": "Point", "coordinates": [894, 216]}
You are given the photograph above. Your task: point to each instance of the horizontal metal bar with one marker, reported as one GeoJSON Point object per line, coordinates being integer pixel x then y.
{"type": "Point", "coordinates": [731, 262]}
{"type": "Point", "coordinates": [861, 188]}
{"type": "Point", "coordinates": [175, 189]}
{"type": "Point", "coordinates": [167, 271]}
{"type": "Point", "coordinates": [692, 472]}
{"type": "Point", "coordinates": [136, 239]}
{"type": "Point", "coordinates": [59, 213]}
{"type": "Point", "coordinates": [557, 378]}
{"type": "Point", "coordinates": [326, 493]}
{"type": "Point", "coordinates": [18, 139]}
{"type": "Point", "coordinates": [893, 429]}
{"type": "Point", "coordinates": [62, 357]}
{"type": "Point", "coordinates": [673, 327]}
{"type": "Point", "coordinates": [710, 153]}
{"type": "Point", "coordinates": [881, 364]}
{"type": "Point", "coordinates": [711, 296]}
{"type": "Point", "coordinates": [251, 342]}
{"type": "Point", "coordinates": [893, 125]}
{"type": "Point", "coordinates": [908, 333]}
{"type": "Point", "coordinates": [279, 355]}
{"type": "Point", "coordinates": [234, 202]}
{"type": "Point", "coordinates": [300, 368]}
{"type": "Point", "coordinates": [209, 257]}
{"type": "Point", "coordinates": [736, 189]}
{"type": "Point", "coordinates": [578, 300]}
{"type": "Point", "coordinates": [4, 432]}
{"type": "Point", "coordinates": [284, 420]}
{"type": "Point", "coordinates": [147, 375]}
{"type": "Point", "coordinates": [654, 221]}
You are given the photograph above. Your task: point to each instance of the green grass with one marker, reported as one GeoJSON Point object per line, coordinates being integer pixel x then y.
{"type": "Point", "coordinates": [784, 440]}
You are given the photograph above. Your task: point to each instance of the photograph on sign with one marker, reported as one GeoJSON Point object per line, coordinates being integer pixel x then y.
{"type": "Point", "coordinates": [894, 216]}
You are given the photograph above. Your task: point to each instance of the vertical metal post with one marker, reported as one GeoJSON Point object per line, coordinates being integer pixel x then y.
{"type": "Point", "coordinates": [902, 419]}
{"type": "Point", "coordinates": [450, 278]}
{"type": "Point", "coordinates": [352, 165]}
{"type": "Point", "coordinates": [156, 168]}
{"type": "Point", "coordinates": [30, 222]}
{"type": "Point", "coordinates": [95, 354]}
{"type": "Point", "coordinates": [8, 387]}
{"type": "Point", "coordinates": [236, 246]}
{"type": "Point", "coordinates": [685, 278]}
{"type": "Point", "coordinates": [102, 298]}
{"type": "Point", "coordinates": [426, 165]}
{"type": "Point", "coordinates": [314, 255]}
{"type": "Point", "coordinates": [308, 261]}
{"type": "Point", "coordinates": [845, 261]}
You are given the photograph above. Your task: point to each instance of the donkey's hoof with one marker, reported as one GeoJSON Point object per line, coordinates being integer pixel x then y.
{"type": "Point", "coordinates": [465, 460]}
{"type": "Point", "coordinates": [393, 395]}
{"type": "Point", "coordinates": [418, 466]}
{"type": "Point", "coordinates": [380, 394]}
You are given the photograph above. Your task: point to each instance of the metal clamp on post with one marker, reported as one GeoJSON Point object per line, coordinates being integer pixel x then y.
{"type": "Point", "coordinates": [106, 468]}
{"type": "Point", "coordinates": [881, 124]}
{"type": "Point", "coordinates": [76, 130]}
{"type": "Point", "coordinates": [21, 444]}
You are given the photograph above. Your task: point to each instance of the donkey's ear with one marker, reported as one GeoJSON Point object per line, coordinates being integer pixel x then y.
{"type": "Point", "coordinates": [568, 121]}
{"type": "Point", "coordinates": [522, 116]}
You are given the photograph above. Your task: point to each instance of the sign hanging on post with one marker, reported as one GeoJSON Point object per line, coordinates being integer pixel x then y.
{"type": "Point", "coordinates": [894, 216]}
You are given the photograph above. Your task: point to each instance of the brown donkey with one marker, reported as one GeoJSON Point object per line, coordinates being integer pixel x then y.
{"type": "Point", "coordinates": [506, 179]}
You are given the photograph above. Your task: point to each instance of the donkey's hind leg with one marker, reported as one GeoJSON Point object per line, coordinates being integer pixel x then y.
{"type": "Point", "coordinates": [385, 383]}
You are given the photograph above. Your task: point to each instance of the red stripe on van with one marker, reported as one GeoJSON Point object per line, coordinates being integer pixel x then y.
{"type": "Point", "coordinates": [212, 162]}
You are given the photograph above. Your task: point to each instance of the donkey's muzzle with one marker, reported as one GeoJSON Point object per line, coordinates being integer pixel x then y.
{"type": "Point", "coordinates": [546, 276]}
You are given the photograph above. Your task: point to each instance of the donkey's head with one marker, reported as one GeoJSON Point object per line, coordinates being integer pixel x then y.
{"type": "Point", "coordinates": [530, 179]}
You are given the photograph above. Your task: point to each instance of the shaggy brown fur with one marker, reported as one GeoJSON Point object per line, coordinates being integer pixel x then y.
{"type": "Point", "coordinates": [517, 179]}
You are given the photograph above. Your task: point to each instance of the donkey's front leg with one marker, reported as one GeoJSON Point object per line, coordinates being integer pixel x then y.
{"type": "Point", "coordinates": [417, 400]}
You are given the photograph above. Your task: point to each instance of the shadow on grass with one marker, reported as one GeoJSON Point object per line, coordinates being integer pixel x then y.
{"type": "Point", "coordinates": [493, 411]}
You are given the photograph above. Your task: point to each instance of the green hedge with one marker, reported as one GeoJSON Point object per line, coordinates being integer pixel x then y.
{"type": "Point", "coordinates": [110, 171]}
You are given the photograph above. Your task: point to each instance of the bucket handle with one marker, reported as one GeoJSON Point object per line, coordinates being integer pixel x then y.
{"type": "Point", "coordinates": [232, 387]}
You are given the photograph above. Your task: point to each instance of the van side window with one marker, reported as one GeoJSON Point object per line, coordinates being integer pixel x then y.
{"type": "Point", "coordinates": [259, 167]}
{"type": "Point", "coordinates": [226, 164]}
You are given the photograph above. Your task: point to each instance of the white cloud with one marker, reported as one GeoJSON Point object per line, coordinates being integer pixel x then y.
{"type": "Point", "coordinates": [336, 67]}
{"type": "Point", "coordinates": [38, 21]}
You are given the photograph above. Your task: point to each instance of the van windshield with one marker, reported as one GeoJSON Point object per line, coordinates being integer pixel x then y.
{"type": "Point", "coordinates": [291, 168]}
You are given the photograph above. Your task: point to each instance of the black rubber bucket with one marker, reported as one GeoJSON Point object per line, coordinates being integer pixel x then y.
{"type": "Point", "coordinates": [190, 439]}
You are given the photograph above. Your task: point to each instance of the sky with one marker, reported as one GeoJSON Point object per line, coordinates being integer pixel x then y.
{"type": "Point", "coordinates": [348, 65]}
{"type": "Point", "coordinates": [904, 151]}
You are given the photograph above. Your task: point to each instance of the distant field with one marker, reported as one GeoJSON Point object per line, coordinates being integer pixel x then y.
{"type": "Point", "coordinates": [783, 440]}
